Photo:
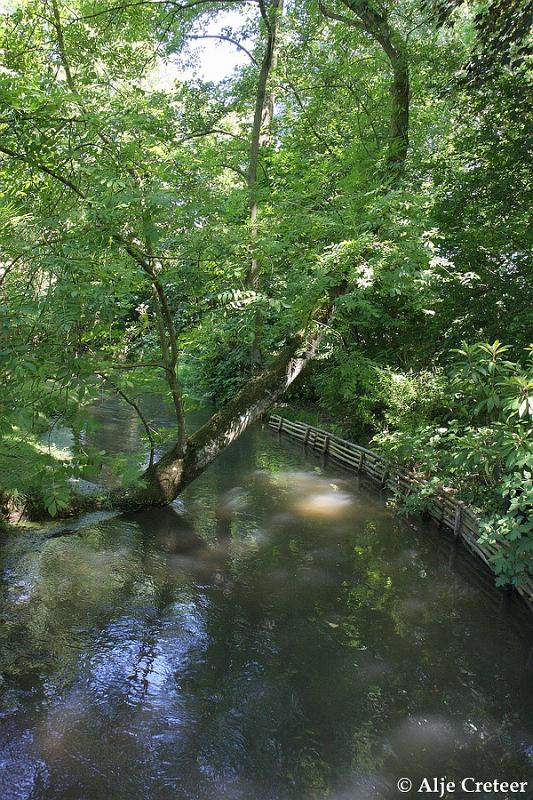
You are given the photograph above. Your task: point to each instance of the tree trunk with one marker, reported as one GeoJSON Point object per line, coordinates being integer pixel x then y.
{"type": "Point", "coordinates": [375, 23]}
{"type": "Point", "coordinates": [169, 476]}
{"type": "Point", "coordinates": [261, 137]}
{"type": "Point", "coordinates": [164, 480]}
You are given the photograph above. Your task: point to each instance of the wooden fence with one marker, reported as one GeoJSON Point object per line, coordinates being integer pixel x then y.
{"type": "Point", "coordinates": [445, 510]}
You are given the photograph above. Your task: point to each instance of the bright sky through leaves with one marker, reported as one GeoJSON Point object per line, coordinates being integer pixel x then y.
{"type": "Point", "coordinates": [205, 59]}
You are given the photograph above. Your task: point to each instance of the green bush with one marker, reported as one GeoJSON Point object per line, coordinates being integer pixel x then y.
{"type": "Point", "coordinates": [513, 530]}
{"type": "Point", "coordinates": [480, 446]}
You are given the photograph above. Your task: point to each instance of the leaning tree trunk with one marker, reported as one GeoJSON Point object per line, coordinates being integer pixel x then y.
{"type": "Point", "coordinates": [163, 481]}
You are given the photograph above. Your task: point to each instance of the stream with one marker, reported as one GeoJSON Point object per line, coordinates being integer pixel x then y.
{"type": "Point", "coordinates": [278, 633]}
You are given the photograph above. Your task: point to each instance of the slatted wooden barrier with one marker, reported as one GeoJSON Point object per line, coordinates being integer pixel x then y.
{"type": "Point", "coordinates": [445, 510]}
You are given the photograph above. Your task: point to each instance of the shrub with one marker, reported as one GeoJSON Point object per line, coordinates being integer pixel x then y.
{"type": "Point", "coordinates": [480, 446]}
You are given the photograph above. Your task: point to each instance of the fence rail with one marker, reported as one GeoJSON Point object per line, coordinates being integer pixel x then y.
{"type": "Point", "coordinates": [445, 510]}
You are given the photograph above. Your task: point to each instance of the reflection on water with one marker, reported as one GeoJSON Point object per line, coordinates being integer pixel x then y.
{"type": "Point", "coordinates": [283, 637]}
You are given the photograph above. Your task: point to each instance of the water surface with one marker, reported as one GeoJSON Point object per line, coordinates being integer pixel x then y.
{"type": "Point", "coordinates": [277, 634]}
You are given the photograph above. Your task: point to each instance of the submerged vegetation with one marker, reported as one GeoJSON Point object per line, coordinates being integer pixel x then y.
{"type": "Point", "coordinates": [352, 196]}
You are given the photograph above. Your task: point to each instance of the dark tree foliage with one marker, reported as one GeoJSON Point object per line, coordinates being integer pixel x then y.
{"type": "Point", "coordinates": [503, 33]}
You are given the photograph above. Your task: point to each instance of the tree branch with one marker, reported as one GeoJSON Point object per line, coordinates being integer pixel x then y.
{"type": "Point", "coordinates": [209, 132]}
{"type": "Point", "coordinates": [138, 411]}
{"type": "Point", "coordinates": [223, 38]}
{"type": "Point", "coordinates": [175, 6]}
{"type": "Point", "coordinates": [61, 45]}
{"type": "Point", "coordinates": [42, 168]}
{"type": "Point", "coordinates": [264, 14]}
{"type": "Point", "coordinates": [242, 174]}
{"type": "Point", "coordinates": [353, 23]}
{"type": "Point", "coordinates": [140, 365]}
{"type": "Point", "coordinates": [303, 109]}
{"type": "Point", "coordinates": [9, 268]}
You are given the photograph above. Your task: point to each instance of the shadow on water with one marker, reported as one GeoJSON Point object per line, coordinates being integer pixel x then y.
{"type": "Point", "coordinates": [277, 634]}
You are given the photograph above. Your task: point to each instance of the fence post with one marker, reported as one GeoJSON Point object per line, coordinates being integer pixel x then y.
{"type": "Point", "coordinates": [458, 521]}
{"type": "Point", "coordinates": [306, 437]}
{"type": "Point", "coordinates": [280, 424]}
{"type": "Point", "coordinates": [441, 520]}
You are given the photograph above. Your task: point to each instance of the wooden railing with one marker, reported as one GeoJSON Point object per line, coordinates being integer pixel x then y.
{"type": "Point", "coordinates": [446, 510]}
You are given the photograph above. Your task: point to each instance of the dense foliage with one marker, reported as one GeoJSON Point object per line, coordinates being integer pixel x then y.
{"type": "Point", "coordinates": [166, 234]}
{"type": "Point", "coordinates": [476, 439]}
